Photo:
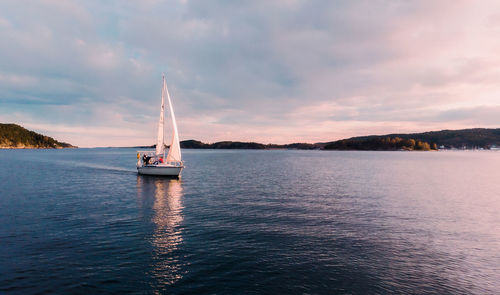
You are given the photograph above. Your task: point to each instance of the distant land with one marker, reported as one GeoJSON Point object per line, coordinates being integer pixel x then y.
{"type": "Point", "coordinates": [13, 136]}
{"type": "Point", "coordinates": [477, 138]}
{"type": "Point", "coordinates": [194, 144]}
{"type": "Point", "coordinates": [235, 145]}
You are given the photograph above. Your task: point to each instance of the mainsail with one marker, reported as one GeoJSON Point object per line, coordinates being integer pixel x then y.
{"type": "Point", "coordinates": [174, 152]}
{"type": "Point", "coordinates": [160, 146]}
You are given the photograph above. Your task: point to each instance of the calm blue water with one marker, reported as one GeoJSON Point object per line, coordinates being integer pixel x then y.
{"type": "Point", "coordinates": [82, 221]}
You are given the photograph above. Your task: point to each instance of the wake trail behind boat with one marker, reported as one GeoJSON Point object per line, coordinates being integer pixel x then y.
{"type": "Point", "coordinates": [95, 166]}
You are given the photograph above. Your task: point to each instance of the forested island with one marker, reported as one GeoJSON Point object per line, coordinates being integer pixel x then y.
{"type": "Point", "coordinates": [446, 139]}
{"type": "Point", "coordinates": [195, 144]}
{"type": "Point", "coordinates": [381, 144]}
{"type": "Point", "coordinates": [13, 136]}
{"type": "Point", "coordinates": [477, 138]}
{"type": "Point", "coordinates": [384, 144]}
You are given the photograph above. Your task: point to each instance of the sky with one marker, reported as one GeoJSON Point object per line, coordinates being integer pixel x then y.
{"type": "Point", "coordinates": [89, 72]}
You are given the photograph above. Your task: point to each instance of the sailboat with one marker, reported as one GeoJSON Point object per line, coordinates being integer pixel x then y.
{"type": "Point", "coordinates": [155, 162]}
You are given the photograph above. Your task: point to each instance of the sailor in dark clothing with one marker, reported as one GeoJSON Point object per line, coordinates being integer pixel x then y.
{"type": "Point", "coordinates": [145, 159]}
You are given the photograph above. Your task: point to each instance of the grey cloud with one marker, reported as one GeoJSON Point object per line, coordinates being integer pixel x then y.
{"type": "Point", "coordinates": [245, 63]}
{"type": "Point", "coordinates": [487, 115]}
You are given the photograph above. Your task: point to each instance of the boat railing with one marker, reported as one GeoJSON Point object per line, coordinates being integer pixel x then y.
{"type": "Point", "coordinates": [147, 153]}
{"type": "Point", "coordinates": [175, 163]}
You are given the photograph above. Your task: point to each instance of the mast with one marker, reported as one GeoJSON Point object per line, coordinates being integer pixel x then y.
{"type": "Point", "coordinates": [160, 146]}
{"type": "Point", "coordinates": [174, 152]}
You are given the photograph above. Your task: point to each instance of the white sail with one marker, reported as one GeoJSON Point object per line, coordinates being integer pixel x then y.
{"type": "Point", "coordinates": [174, 152]}
{"type": "Point", "coordinates": [160, 146]}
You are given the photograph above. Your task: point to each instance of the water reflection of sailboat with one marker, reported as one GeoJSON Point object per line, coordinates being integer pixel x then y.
{"type": "Point", "coordinates": [167, 218]}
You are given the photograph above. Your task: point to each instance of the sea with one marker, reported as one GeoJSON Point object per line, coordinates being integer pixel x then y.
{"type": "Point", "coordinates": [82, 221]}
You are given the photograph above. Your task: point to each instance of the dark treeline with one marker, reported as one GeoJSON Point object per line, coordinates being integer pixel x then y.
{"type": "Point", "coordinates": [195, 144]}
{"type": "Point", "coordinates": [15, 136]}
{"type": "Point", "coordinates": [381, 144]}
{"type": "Point", "coordinates": [465, 138]}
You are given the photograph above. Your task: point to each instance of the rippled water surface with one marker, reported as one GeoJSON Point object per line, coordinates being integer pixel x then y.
{"type": "Point", "coordinates": [82, 221]}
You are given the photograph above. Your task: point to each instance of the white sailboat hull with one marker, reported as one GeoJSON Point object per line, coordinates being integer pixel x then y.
{"type": "Point", "coordinates": [160, 170]}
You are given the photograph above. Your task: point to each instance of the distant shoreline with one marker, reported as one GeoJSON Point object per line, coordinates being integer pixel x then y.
{"type": "Point", "coordinates": [13, 136]}
{"type": "Point", "coordinates": [465, 139]}
{"type": "Point", "coordinates": [249, 149]}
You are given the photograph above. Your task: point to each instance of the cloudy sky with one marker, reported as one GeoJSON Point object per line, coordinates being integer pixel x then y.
{"type": "Point", "coordinates": [89, 72]}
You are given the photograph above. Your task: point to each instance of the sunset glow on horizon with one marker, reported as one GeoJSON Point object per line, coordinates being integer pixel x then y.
{"type": "Point", "coordinates": [89, 72]}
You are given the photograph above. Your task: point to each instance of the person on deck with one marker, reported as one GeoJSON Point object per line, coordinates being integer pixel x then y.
{"type": "Point", "coordinates": [145, 160]}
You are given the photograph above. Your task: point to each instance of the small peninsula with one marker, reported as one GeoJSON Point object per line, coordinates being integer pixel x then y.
{"type": "Point", "coordinates": [13, 136]}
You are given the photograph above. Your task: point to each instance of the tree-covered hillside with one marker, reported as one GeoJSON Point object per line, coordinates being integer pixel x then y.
{"type": "Point", "coordinates": [380, 144]}
{"type": "Point", "coordinates": [15, 136]}
{"type": "Point", "coordinates": [468, 138]}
